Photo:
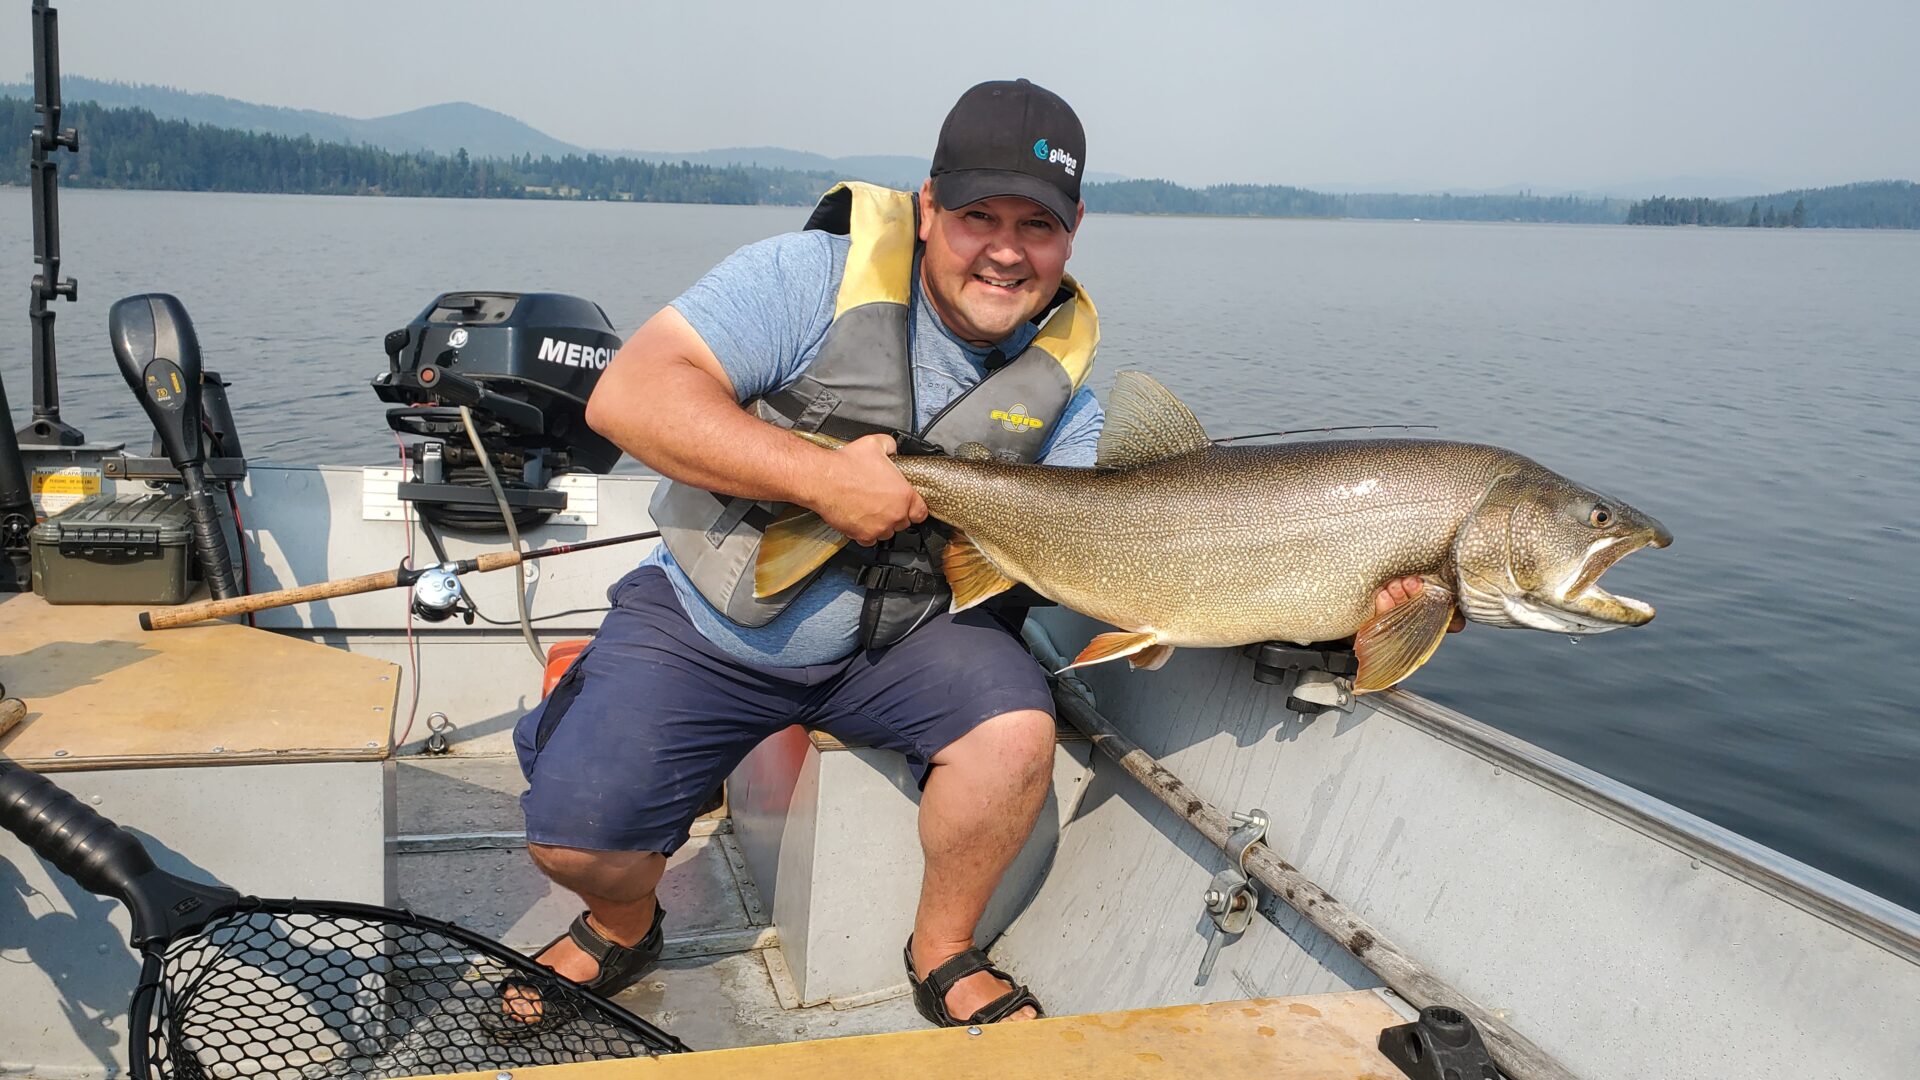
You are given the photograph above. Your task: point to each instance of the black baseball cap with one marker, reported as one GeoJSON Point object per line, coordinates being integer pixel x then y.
{"type": "Point", "coordinates": [1011, 138]}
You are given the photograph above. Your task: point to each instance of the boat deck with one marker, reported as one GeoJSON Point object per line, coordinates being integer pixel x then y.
{"type": "Point", "coordinates": [720, 984]}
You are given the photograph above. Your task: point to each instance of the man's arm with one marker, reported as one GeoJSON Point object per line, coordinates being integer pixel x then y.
{"type": "Point", "coordinates": [666, 400]}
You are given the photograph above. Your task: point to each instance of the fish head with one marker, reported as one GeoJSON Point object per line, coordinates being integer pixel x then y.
{"type": "Point", "coordinates": [1532, 552]}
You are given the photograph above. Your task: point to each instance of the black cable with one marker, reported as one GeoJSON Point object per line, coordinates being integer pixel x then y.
{"type": "Point", "coordinates": [485, 618]}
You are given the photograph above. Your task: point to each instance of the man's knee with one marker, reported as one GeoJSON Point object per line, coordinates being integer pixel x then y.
{"type": "Point", "coordinates": [1022, 739]}
{"type": "Point", "coordinates": [616, 875]}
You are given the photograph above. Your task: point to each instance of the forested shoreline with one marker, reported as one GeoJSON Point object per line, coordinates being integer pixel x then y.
{"type": "Point", "coordinates": [132, 148]}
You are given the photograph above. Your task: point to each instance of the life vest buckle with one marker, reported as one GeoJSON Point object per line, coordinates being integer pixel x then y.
{"type": "Point", "coordinates": [887, 578]}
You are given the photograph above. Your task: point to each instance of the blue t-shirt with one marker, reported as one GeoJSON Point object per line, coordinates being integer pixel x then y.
{"type": "Point", "coordinates": [764, 312]}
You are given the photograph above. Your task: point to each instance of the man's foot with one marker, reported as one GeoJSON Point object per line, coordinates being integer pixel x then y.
{"type": "Point", "coordinates": [591, 956]}
{"type": "Point", "coordinates": [1400, 590]}
{"type": "Point", "coordinates": [970, 993]}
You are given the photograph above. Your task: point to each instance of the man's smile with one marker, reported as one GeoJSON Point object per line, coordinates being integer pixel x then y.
{"type": "Point", "coordinates": [1000, 282]}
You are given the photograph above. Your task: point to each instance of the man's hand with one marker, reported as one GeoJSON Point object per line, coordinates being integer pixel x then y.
{"type": "Point", "coordinates": [863, 495]}
{"type": "Point", "coordinates": [1400, 590]}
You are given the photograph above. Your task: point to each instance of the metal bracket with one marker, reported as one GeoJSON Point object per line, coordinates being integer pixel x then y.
{"type": "Point", "coordinates": [1317, 691]}
{"type": "Point", "coordinates": [1321, 675]}
{"type": "Point", "coordinates": [1229, 898]}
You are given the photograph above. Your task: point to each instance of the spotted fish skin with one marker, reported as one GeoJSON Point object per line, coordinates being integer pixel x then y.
{"type": "Point", "coordinates": [1225, 545]}
{"type": "Point", "coordinates": [1178, 541]}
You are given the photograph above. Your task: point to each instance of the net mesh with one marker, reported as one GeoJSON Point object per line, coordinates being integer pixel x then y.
{"type": "Point", "coordinates": [313, 994]}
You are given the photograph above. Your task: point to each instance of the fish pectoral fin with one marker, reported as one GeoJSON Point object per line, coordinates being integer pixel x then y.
{"type": "Point", "coordinates": [795, 545]}
{"type": "Point", "coordinates": [1150, 658]}
{"type": "Point", "coordinates": [1114, 646]}
{"type": "Point", "coordinates": [1393, 645]}
{"type": "Point", "coordinates": [970, 574]}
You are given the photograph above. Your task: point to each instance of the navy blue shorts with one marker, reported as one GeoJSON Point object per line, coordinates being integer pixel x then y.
{"type": "Point", "coordinates": [651, 717]}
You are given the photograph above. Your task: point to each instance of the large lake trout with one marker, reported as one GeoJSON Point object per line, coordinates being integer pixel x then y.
{"type": "Point", "coordinates": [1178, 541]}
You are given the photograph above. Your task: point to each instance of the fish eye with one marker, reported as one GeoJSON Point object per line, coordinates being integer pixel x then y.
{"type": "Point", "coordinates": [1600, 517]}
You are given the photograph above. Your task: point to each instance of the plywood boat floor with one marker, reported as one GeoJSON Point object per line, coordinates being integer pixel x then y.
{"type": "Point", "coordinates": [102, 692]}
{"type": "Point", "coordinates": [1325, 1037]}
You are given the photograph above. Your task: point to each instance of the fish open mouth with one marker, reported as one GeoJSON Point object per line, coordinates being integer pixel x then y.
{"type": "Point", "coordinates": [1586, 608]}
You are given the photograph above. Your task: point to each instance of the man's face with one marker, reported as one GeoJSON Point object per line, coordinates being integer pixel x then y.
{"type": "Point", "coordinates": [991, 265]}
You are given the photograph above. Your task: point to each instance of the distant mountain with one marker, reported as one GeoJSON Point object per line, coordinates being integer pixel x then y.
{"type": "Point", "coordinates": [442, 129]}
{"type": "Point", "coordinates": [892, 170]}
{"type": "Point", "coordinates": [446, 129]}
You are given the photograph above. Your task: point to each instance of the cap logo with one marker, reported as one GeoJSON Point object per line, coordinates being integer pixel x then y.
{"type": "Point", "coordinates": [1055, 156]}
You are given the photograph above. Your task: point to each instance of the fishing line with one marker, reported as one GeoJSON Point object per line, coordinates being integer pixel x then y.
{"type": "Point", "coordinates": [1325, 430]}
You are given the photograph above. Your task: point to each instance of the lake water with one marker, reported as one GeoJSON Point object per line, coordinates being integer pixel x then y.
{"type": "Point", "coordinates": [1756, 390]}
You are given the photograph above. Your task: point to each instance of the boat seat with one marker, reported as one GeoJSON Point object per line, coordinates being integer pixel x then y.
{"type": "Point", "coordinates": [246, 757]}
{"type": "Point", "coordinates": [830, 835]}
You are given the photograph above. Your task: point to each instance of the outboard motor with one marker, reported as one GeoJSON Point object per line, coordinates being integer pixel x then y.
{"type": "Point", "coordinates": [524, 364]}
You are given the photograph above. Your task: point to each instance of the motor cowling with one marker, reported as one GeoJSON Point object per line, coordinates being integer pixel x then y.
{"type": "Point", "coordinates": [525, 363]}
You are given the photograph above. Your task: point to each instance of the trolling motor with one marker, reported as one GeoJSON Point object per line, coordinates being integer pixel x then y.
{"type": "Point", "coordinates": [524, 365]}
{"type": "Point", "coordinates": [160, 356]}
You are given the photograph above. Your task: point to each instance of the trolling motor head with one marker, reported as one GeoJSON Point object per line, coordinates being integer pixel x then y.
{"type": "Point", "coordinates": [159, 355]}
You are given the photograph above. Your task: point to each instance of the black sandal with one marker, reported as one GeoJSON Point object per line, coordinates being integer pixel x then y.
{"type": "Point", "coordinates": [930, 995]}
{"type": "Point", "coordinates": [620, 966]}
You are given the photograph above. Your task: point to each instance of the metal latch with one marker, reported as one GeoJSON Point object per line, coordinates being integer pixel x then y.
{"type": "Point", "coordinates": [1230, 899]}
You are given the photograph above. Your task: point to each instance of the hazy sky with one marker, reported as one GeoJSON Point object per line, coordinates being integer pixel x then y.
{"type": "Point", "coordinates": [1383, 94]}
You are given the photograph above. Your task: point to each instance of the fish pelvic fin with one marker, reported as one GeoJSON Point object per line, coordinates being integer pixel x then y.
{"type": "Point", "coordinates": [970, 574]}
{"type": "Point", "coordinates": [1116, 645]}
{"type": "Point", "coordinates": [1151, 658]}
{"type": "Point", "coordinates": [794, 546]}
{"type": "Point", "coordinates": [1146, 423]}
{"type": "Point", "coordinates": [1393, 645]}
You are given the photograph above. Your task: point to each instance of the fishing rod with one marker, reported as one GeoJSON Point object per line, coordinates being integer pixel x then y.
{"type": "Point", "coordinates": [437, 588]}
{"type": "Point", "coordinates": [1323, 431]}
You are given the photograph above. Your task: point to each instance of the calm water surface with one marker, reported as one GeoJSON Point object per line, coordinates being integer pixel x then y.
{"type": "Point", "coordinates": [1758, 391]}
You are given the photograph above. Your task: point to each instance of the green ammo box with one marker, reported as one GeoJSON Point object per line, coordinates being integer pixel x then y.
{"type": "Point", "coordinates": [114, 549]}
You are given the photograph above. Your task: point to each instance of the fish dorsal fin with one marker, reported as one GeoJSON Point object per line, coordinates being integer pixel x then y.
{"type": "Point", "coordinates": [970, 574]}
{"type": "Point", "coordinates": [1146, 423]}
{"type": "Point", "coordinates": [973, 451]}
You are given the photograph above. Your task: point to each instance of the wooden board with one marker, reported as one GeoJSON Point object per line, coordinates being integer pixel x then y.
{"type": "Point", "coordinates": [1324, 1037]}
{"type": "Point", "coordinates": [102, 692]}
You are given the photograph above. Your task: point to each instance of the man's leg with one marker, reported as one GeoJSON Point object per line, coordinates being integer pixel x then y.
{"type": "Point", "coordinates": [618, 890]}
{"type": "Point", "coordinates": [979, 805]}
{"type": "Point", "coordinates": [621, 756]}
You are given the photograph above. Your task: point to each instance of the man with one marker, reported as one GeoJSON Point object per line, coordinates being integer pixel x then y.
{"type": "Point", "coordinates": [947, 316]}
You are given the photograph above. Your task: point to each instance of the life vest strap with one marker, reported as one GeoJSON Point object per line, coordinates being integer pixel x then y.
{"type": "Point", "coordinates": [886, 577]}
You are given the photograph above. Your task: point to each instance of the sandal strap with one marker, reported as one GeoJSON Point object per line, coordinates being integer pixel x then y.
{"type": "Point", "coordinates": [1006, 1004]}
{"type": "Point", "coordinates": [941, 979]}
{"type": "Point", "coordinates": [610, 954]}
{"type": "Point", "coordinates": [930, 994]}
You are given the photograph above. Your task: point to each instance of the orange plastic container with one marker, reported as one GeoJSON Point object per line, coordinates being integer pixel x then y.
{"type": "Point", "coordinates": [559, 659]}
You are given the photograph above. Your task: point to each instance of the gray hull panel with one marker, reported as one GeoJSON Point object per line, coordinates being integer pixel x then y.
{"type": "Point", "coordinates": [1625, 937]}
